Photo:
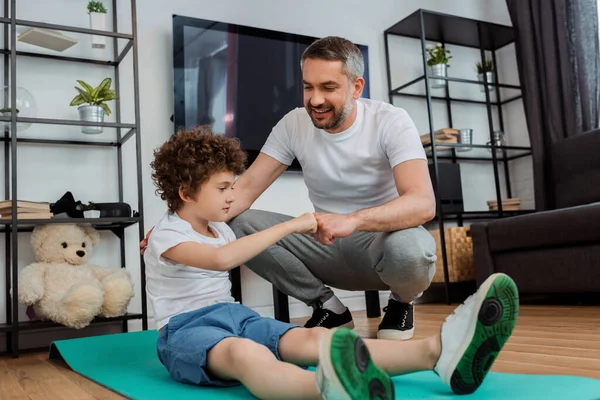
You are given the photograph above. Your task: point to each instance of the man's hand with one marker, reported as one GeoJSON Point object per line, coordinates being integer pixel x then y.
{"type": "Point", "coordinates": [144, 242]}
{"type": "Point", "coordinates": [331, 226]}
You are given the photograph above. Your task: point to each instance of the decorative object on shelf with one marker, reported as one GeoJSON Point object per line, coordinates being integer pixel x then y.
{"type": "Point", "coordinates": [72, 292]}
{"type": "Point", "coordinates": [96, 99]}
{"type": "Point", "coordinates": [438, 65]}
{"type": "Point", "coordinates": [26, 107]}
{"type": "Point", "coordinates": [459, 253]}
{"type": "Point", "coordinates": [499, 141]}
{"type": "Point", "coordinates": [465, 136]}
{"type": "Point", "coordinates": [488, 69]}
{"type": "Point", "coordinates": [97, 13]}
{"type": "Point", "coordinates": [507, 204]}
{"type": "Point", "coordinates": [90, 210]}
{"type": "Point", "coordinates": [47, 38]}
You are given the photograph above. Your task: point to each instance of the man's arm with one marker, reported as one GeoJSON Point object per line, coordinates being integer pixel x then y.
{"type": "Point", "coordinates": [414, 206]}
{"type": "Point", "coordinates": [252, 183]}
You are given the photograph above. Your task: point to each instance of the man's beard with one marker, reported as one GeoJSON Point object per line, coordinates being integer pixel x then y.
{"type": "Point", "coordinates": [339, 115]}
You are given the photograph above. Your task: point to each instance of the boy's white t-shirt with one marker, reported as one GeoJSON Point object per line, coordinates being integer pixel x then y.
{"type": "Point", "coordinates": [176, 288]}
{"type": "Point", "coordinates": [350, 170]}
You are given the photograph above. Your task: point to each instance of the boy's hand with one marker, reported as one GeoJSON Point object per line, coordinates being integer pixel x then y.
{"type": "Point", "coordinates": [144, 242]}
{"type": "Point", "coordinates": [305, 223]}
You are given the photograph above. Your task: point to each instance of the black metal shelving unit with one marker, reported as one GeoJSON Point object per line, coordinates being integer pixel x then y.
{"type": "Point", "coordinates": [447, 29]}
{"type": "Point", "coordinates": [12, 227]}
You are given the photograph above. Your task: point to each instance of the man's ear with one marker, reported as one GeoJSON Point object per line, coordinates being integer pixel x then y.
{"type": "Point", "coordinates": [358, 86]}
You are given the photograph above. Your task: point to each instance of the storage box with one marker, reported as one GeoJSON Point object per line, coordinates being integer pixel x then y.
{"type": "Point", "coordinates": [459, 252]}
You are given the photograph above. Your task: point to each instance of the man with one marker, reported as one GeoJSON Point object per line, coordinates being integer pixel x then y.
{"type": "Point", "coordinates": [367, 177]}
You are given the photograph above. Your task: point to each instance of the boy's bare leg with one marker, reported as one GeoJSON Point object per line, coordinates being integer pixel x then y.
{"type": "Point", "coordinates": [260, 372]}
{"type": "Point", "coordinates": [462, 354]}
{"type": "Point", "coordinates": [300, 347]}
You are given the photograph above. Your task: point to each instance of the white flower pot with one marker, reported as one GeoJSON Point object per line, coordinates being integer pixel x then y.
{"type": "Point", "coordinates": [91, 214]}
{"type": "Point", "coordinates": [490, 79]}
{"type": "Point", "coordinates": [98, 22]}
{"type": "Point", "coordinates": [438, 70]}
{"type": "Point", "coordinates": [89, 113]}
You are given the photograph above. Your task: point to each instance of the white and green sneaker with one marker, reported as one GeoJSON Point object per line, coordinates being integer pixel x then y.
{"type": "Point", "coordinates": [346, 371]}
{"type": "Point", "coordinates": [475, 333]}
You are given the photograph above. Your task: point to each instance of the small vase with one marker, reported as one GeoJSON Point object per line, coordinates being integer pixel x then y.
{"type": "Point", "coordinates": [438, 70]}
{"type": "Point", "coordinates": [91, 114]}
{"type": "Point", "coordinates": [98, 22]}
{"type": "Point", "coordinates": [490, 79]}
{"type": "Point", "coordinates": [91, 213]}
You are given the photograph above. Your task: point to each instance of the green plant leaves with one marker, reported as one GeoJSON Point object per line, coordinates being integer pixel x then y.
{"type": "Point", "coordinates": [97, 96]}
{"type": "Point", "coordinates": [437, 55]}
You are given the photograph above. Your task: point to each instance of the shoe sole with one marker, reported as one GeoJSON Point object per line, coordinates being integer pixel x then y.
{"type": "Point", "coordinates": [394, 334]}
{"type": "Point", "coordinates": [366, 381]}
{"type": "Point", "coordinates": [347, 325]}
{"type": "Point", "coordinates": [496, 319]}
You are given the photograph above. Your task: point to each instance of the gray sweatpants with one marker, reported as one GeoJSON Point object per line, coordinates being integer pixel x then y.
{"type": "Point", "coordinates": [301, 267]}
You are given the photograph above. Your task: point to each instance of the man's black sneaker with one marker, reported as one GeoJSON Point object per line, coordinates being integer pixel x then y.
{"type": "Point", "coordinates": [328, 319]}
{"type": "Point", "coordinates": [398, 321]}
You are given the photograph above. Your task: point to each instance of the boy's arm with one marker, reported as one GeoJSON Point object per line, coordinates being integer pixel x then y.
{"type": "Point", "coordinates": [239, 251]}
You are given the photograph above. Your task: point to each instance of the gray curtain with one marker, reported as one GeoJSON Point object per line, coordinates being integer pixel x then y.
{"type": "Point", "coordinates": [557, 56]}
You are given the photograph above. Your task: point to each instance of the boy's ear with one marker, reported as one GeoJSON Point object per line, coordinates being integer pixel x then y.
{"type": "Point", "coordinates": [184, 194]}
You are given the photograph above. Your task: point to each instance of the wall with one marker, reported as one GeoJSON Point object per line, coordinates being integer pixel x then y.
{"type": "Point", "coordinates": [90, 173]}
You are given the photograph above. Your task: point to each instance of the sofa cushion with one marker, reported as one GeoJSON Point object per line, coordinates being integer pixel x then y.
{"type": "Point", "coordinates": [576, 170]}
{"type": "Point", "coordinates": [567, 226]}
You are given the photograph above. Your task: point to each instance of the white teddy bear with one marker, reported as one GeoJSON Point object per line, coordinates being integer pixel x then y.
{"type": "Point", "coordinates": [62, 287]}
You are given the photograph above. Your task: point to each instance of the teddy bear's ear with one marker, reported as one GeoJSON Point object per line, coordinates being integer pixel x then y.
{"type": "Point", "coordinates": [39, 234]}
{"type": "Point", "coordinates": [92, 233]}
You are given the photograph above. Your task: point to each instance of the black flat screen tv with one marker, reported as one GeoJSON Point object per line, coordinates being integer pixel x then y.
{"type": "Point", "coordinates": [238, 79]}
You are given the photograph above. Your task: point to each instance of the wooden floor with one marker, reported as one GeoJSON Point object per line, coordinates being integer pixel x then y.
{"type": "Point", "coordinates": [547, 340]}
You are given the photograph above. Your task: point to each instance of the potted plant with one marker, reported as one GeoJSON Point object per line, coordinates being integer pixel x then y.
{"type": "Point", "coordinates": [438, 64]}
{"type": "Point", "coordinates": [97, 13]}
{"type": "Point", "coordinates": [90, 211]}
{"type": "Point", "coordinates": [96, 107]}
{"type": "Point", "coordinates": [488, 69]}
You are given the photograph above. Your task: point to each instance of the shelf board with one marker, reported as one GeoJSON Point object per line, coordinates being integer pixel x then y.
{"type": "Point", "coordinates": [90, 140]}
{"type": "Point", "coordinates": [51, 121]}
{"type": "Point", "coordinates": [512, 152]}
{"type": "Point", "coordinates": [31, 325]}
{"type": "Point", "coordinates": [27, 225]}
{"type": "Point", "coordinates": [476, 215]}
{"type": "Point", "coordinates": [453, 79]}
{"type": "Point", "coordinates": [452, 29]}
{"type": "Point", "coordinates": [67, 28]}
{"type": "Point", "coordinates": [63, 142]}
{"type": "Point", "coordinates": [62, 58]}
{"type": "Point", "coordinates": [72, 29]}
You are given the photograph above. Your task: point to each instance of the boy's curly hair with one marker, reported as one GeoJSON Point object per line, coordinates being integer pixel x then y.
{"type": "Point", "coordinates": [189, 158]}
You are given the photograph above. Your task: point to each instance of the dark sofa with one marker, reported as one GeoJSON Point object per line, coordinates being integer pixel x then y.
{"type": "Point", "coordinates": [553, 251]}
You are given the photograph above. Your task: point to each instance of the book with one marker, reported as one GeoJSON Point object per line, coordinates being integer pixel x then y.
{"type": "Point", "coordinates": [34, 205]}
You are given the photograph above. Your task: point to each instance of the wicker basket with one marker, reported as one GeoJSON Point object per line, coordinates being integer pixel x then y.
{"type": "Point", "coordinates": [459, 252]}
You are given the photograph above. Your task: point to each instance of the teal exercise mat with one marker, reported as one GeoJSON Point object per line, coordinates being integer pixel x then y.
{"type": "Point", "coordinates": [127, 364]}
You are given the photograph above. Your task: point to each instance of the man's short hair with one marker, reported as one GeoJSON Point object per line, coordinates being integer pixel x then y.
{"type": "Point", "coordinates": [333, 48]}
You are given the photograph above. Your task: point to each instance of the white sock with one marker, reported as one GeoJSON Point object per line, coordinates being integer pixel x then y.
{"type": "Point", "coordinates": [397, 298]}
{"type": "Point", "coordinates": [334, 304]}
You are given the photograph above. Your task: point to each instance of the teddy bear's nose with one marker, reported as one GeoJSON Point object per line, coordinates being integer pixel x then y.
{"type": "Point", "coordinates": [80, 253]}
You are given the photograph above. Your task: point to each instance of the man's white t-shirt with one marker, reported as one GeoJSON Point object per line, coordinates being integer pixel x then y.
{"type": "Point", "coordinates": [176, 288]}
{"type": "Point", "coordinates": [351, 170]}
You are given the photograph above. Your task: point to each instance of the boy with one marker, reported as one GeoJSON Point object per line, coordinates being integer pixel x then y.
{"type": "Point", "coordinates": [208, 339]}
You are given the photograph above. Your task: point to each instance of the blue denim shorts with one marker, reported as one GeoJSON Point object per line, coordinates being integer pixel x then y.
{"type": "Point", "coordinates": [184, 342]}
